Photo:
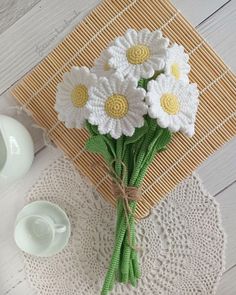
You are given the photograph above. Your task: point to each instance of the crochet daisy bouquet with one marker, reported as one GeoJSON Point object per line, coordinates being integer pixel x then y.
{"type": "Point", "coordinates": [131, 102]}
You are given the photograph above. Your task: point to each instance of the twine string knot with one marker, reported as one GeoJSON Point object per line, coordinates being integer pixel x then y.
{"type": "Point", "coordinates": [127, 193]}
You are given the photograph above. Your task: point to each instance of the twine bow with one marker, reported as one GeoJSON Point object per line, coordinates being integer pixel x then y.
{"type": "Point", "coordinates": [127, 193]}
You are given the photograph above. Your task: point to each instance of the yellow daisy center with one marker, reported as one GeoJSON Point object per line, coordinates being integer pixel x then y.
{"type": "Point", "coordinates": [138, 54]}
{"type": "Point", "coordinates": [117, 106]}
{"type": "Point", "coordinates": [79, 96]}
{"type": "Point", "coordinates": [175, 71]}
{"type": "Point", "coordinates": [170, 103]}
{"type": "Point", "coordinates": [106, 67]}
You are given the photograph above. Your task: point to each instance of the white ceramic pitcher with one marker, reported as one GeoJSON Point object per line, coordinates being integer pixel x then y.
{"type": "Point", "coordinates": [16, 150]}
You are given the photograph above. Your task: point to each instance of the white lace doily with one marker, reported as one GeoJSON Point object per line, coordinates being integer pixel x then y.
{"type": "Point", "coordinates": [182, 242]}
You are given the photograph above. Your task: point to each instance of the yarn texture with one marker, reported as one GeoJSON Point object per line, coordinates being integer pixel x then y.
{"type": "Point", "coordinates": [181, 243]}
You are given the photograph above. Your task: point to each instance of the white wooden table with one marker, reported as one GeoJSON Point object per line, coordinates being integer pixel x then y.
{"type": "Point", "coordinates": [29, 30]}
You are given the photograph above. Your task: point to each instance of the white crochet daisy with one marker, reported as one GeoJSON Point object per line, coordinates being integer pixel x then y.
{"type": "Point", "coordinates": [72, 96]}
{"type": "Point", "coordinates": [173, 103]}
{"type": "Point", "coordinates": [139, 54]}
{"type": "Point", "coordinates": [101, 67]}
{"type": "Point", "coordinates": [117, 106]}
{"type": "Point", "coordinates": [177, 63]}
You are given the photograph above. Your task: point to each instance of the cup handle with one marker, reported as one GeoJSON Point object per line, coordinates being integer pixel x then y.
{"type": "Point", "coordinates": [60, 228]}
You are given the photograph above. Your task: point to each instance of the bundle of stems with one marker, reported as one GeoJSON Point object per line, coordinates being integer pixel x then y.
{"type": "Point", "coordinates": [130, 158]}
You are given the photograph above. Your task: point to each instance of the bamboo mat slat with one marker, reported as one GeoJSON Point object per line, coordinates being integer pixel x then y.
{"type": "Point", "coordinates": [216, 122]}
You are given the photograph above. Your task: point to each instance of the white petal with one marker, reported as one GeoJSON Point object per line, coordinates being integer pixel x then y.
{"type": "Point", "coordinates": [127, 128]}
{"type": "Point", "coordinates": [116, 131]}
{"type": "Point", "coordinates": [147, 71]}
{"type": "Point", "coordinates": [67, 80]}
{"type": "Point", "coordinates": [131, 36]}
{"type": "Point", "coordinates": [164, 121]}
{"type": "Point", "coordinates": [144, 36]}
{"type": "Point", "coordinates": [189, 130]}
{"type": "Point", "coordinates": [104, 86]}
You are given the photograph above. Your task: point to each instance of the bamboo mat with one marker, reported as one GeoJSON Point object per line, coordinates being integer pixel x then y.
{"type": "Point", "coordinates": [216, 121]}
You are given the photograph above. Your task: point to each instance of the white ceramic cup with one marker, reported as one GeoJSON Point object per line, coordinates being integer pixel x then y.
{"type": "Point", "coordinates": [34, 234]}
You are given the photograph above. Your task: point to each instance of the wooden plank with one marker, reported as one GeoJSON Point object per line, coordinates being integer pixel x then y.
{"type": "Point", "coordinates": [197, 11]}
{"type": "Point", "coordinates": [227, 201]}
{"type": "Point", "coordinates": [36, 34]}
{"type": "Point", "coordinates": [52, 21]}
{"type": "Point", "coordinates": [12, 10]}
{"type": "Point", "coordinates": [12, 279]}
{"type": "Point", "coordinates": [219, 170]}
{"type": "Point", "coordinates": [227, 284]}
{"type": "Point", "coordinates": [219, 31]}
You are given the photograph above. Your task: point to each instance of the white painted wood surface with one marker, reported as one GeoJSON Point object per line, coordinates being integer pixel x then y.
{"type": "Point", "coordinates": [35, 34]}
{"type": "Point", "coordinates": [29, 32]}
{"type": "Point", "coordinates": [12, 10]}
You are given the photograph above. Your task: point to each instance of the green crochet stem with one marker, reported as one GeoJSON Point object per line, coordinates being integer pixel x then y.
{"type": "Point", "coordinates": [116, 257]}
{"type": "Point", "coordinates": [130, 233]}
{"type": "Point", "coordinates": [136, 180]}
{"type": "Point", "coordinates": [135, 262]}
{"type": "Point", "coordinates": [123, 271]}
{"type": "Point", "coordinates": [118, 170]}
{"type": "Point", "coordinates": [120, 204]}
{"type": "Point", "coordinates": [129, 239]}
{"type": "Point", "coordinates": [127, 261]}
{"type": "Point", "coordinates": [116, 254]}
{"type": "Point", "coordinates": [132, 274]}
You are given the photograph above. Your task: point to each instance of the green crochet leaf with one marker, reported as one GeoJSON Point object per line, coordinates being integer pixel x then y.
{"type": "Point", "coordinates": [110, 143]}
{"type": "Point", "coordinates": [160, 140]}
{"type": "Point", "coordinates": [156, 136]}
{"type": "Point", "coordinates": [95, 129]}
{"type": "Point", "coordinates": [138, 134]}
{"type": "Point", "coordinates": [163, 140]}
{"type": "Point", "coordinates": [89, 127]}
{"type": "Point", "coordinates": [96, 144]}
